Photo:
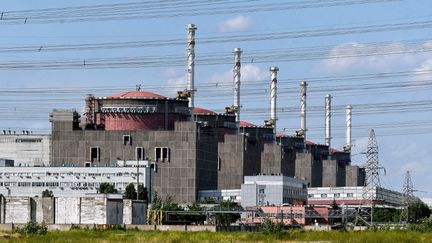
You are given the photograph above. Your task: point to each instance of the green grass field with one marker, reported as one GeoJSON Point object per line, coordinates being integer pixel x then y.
{"type": "Point", "coordinates": [157, 236]}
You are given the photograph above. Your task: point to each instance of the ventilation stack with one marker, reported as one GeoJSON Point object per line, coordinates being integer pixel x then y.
{"type": "Point", "coordinates": [90, 115]}
{"type": "Point", "coordinates": [328, 137]}
{"type": "Point", "coordinates": [348, 124]}
{"type": "Point", "coordinates": [191, 28]}
{"type": "Point", "coordinates": [236, 78]}
{"type": "Point", "coordinates": [273, 97]}
{"type": "Point", "coordinates": [303, 89]}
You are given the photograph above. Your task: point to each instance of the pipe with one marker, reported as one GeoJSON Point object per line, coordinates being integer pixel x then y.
{"type": "Point", "coordinates": [236, 78]}
{"type": "Point", "coordinates": [328, 120]}
{"type": "Point", "coordinates": [273, 97]}
{"type": "Point", "coordinates": [348, 124]}
{"type": "Point", "coordinates": [191, 28]}
{"type": "Point", "coordinates": [303, 89]}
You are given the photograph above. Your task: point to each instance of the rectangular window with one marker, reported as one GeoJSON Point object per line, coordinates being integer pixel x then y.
{"type": "Point", "coordinates": [127, 140]}
{"type": "Point", "coordinates": [219, 163]}
{"type": "Point", "coordinates": [261, 191]}
{"type": "Point", "coordinates": [139, 153]}
{"type": "Point", "coordinates": [337, 195]}
{"type": "Point", "coordinates": [94, 154]}
{"type": "Point", "coordinates": [165, 154]}
{"type": "Point", "coordinates": [323, 195]}
{"type": "Point", "coordinates": [162, 154]}
{"type": "Point", "coordinates": [350, 195]}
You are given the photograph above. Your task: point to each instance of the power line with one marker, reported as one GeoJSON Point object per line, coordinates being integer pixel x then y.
{"type": "Point", "coordinates": [164, 9]}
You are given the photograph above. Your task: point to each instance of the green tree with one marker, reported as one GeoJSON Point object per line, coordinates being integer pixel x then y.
{"type": "Point", "coordinates": [47, 193]}
{"type": "Point", "coordinates": [130, 192]}
{"type": "Point", "coordinates": [143, 193]}
{"type": "Point", "coordinates": [418, 210]}
{"type": "Point", "coordinates": [386, 215]}
{"type": "Point", "coordinates": [156, 202]}
{"type": "Point", "coordinates": [194, 215]}
{"type": "Point", "coordinates": [106, 187]}
{"type": "Point", "coordinates": [226, 219]}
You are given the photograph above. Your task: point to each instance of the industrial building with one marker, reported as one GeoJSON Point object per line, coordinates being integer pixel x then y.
{"type": "Point", "coordinates": [25, 149]}
{"type": "Point", "coordinates": [354, 196]}
{"type": "Point", "coordinates": [192, 149]}
{"type": "Point", "coordinates": [69, 181]}
{"type": "Point", "coordinates": [272, 190]}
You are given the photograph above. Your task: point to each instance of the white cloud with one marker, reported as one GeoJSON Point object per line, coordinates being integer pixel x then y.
{"type": "Point", "coordinates": [423, 72]}
{"type": "Point", "coordinates": [176, 78]}
{"type": "Point", "coordinates": [238, 23]}
{"type": "Point", "coordinates": [347, 57]}
{"type": "Point", "coordinates": [249, 72]}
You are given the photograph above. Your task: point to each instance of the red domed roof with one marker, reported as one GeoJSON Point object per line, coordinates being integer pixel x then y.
{"type": "Point", "coordinates": [246, 124]}
{"type": "Point", "coordinates": [201, 111]}
{"type": "Point", "coordinates": [137, 95]}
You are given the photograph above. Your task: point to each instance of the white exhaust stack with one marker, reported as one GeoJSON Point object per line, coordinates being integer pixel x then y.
{"type": "Point", "coordinates": [303, 89]}
{"type": "Point", "coordinates": [328, 120]}
{"type": "Point", "coordinates": [236, 77]}
{"type": "Point", "coordinates": [191, 64]}
{"type": "Point", "coordinates": [273, 97]}
{"type": "Point", "coordinates": [348, 124]}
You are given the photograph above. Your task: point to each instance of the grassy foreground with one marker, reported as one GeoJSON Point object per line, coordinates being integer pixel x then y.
{"type": "Point", "coordinates": [157, 236]}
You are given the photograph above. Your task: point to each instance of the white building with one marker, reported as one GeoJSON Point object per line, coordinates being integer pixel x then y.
{"type": "Point", "coordinates": [69, 181]}
{"type": "Point", "coordinates": [26, 149]}
{"type": "Point", "coordinates": [354, 196]}
{"type": "Point", "coordinates": [272, 190]}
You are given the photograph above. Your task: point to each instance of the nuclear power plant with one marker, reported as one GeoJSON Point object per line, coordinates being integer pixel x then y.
{"type": "Point", "coordinates": [192, 149]}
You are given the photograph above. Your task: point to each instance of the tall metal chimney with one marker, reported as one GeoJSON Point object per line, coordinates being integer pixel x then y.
{"type": "Point", "coordinates": [191, 64]}
{"type": "Point", "coordinates": [328, 120]}
{"type": "Point", "coordinates": [236, 78]}
{"type": "Point", "coordinates": [348, 124]}
{"type": "Point", "coordinates": [303, 89]}
{"type": "Point", "coordinates": [273, 97]}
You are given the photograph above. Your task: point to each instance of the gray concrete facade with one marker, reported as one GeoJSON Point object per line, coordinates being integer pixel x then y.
{"type": "Point", "coordinates": [192, 153]}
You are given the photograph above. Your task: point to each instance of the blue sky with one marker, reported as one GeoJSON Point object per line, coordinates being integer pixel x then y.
{"type": "Point", "coordinates": [403, 135]}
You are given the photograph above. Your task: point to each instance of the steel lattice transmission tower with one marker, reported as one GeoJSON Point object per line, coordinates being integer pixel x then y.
{"type": "Point", "coordinates": [408, 197]}
{"type": "Point", "coordinates": [372, 181]}
{"type": "Point", "coordinates": [372, 167]}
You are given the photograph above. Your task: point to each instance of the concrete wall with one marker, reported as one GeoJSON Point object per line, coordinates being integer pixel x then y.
{"type": "Point", "coordinates": [26, 150]}
{"type": "Point", "coordinates": [277, 159]}
{"type": "Point", "coordinates": [43, 210]}
{"type": "Point", "coordinates": [303, 166]}
{"type": "Point", "coordinates": [231, 162]}
{"type": "Point", "coordinates": [17, 210]}
{"type": "Point", "coordinates": [114, 210]}
{"type": "Point", "coordinates": [93, 210]}
{"type": "Point", "coordinates": [355, 176]}
{"type": "Point", "coordinates": [330, 173]}
{"type": "Point", "coordinates": [67, 210]}
{"type": "Point", "coordinates": [139, 212]}
{"type": "Point", "coordinates": [309, 167]}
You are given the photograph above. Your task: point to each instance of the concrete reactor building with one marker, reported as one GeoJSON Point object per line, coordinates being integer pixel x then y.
{"type": "Point", "coordinates": [192, 149]}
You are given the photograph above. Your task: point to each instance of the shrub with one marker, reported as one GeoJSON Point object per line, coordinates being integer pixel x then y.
{"type": "Point", "coordinates": [32, 227]}
{"type": "Point", "coordinates": [270, 227]}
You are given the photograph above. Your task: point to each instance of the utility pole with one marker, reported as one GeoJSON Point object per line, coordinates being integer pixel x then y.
{"type": "Point", "coordinates": [408, 196]}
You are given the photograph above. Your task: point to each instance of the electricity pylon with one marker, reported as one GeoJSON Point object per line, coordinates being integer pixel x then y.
{"type": "Point", "coordinates": [408, 197]}
{"type": "Point", "coordinates": [372, 181]}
